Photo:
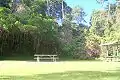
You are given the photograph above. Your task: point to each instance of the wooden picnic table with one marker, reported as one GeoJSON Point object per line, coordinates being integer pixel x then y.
{"type": "Point", "coordinates": [112, 58]}
{"type": "Point", "coordinates": [40, 57]}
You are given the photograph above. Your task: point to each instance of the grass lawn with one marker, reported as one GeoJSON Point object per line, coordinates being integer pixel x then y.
{"type": "Point", "coordinates": [67, 70]}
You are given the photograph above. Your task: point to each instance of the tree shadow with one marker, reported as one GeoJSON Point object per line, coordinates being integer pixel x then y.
{"type": "Point", "coordinates": [31, 59]}
{"type": "Point", "coordinates": [18, 58]}
{"type": "Point", "coordinates": [116, 70]}
{"type": "Point", "coordinates": [75, 75]}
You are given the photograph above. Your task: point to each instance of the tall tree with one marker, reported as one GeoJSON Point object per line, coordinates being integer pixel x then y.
{"type": "Point", "coordinates": [78, 15]}
{"type": "Point", "coordinates": [56, 8]}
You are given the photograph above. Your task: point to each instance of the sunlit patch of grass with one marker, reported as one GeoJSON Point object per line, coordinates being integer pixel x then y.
{"type": "Point", "coordinates": [68, 70]}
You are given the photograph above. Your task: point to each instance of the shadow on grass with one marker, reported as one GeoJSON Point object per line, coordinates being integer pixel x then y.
{"type": "Point", "coordinates": [117, 70]}
{"type": "Point", "coordinates": [17, 58]}
{"type": "Point", "coordinates": [80, 75]}
{"type": "Point", "coordinates": [31, 59]}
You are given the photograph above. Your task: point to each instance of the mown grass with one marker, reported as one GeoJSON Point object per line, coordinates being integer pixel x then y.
{"type": "Point", "coordinates": [80, 75]}
{"type": "Point", "coordinates": [68, 70]}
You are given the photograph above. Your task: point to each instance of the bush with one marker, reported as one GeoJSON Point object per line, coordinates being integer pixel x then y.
{"type": "Point", "coordinates": [92, 47]}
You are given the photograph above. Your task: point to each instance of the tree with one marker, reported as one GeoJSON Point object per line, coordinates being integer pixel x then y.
{"type": "Point", "coordinates": [57, 7]}
{"type": "Point", "coordinates": [96, 33]}
{"type": "Point", "coordinates": [104, 28]}
{"type": "Point", "coordinates": [23, 31]}
{"type": "Point", "coordinates": [73, 35]}
{"type": "Point", "coordinates": [78, 15]}
{"type": "Point", "coordinates": [5, 3]}
{"type": "Point", "coordinates": [101, 1]}
{"type": "Point", "coordinates": [98, 23]}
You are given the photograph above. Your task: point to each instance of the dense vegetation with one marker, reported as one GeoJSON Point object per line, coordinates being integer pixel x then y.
{"type": "Point", "coordinates": [29, 27]}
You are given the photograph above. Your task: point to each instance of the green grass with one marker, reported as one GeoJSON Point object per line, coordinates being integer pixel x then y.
{"type": "Point", "coordinates": [81, 75]}
{"type": "Point", "coordinates": [68, 70]}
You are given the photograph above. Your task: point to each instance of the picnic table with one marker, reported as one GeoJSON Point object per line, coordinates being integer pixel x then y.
{"type": "Point", "coordinates": [39, 57]}
{"type": "Point", "coordinates": [112, 58]}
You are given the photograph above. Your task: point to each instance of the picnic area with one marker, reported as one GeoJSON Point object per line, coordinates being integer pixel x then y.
{"type": "Point", "coordinates": [59, 39]}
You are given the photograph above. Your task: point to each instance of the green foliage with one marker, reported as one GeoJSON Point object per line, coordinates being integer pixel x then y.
{"type": "Point", "coordinates": [29, 27]}
{"type": "Point", "coordinates": [92, 46]}
{"type": "Point", "coordinates": [68, 50]}
{"type": "Point", "coordinates": [5, 3]}
{"type": "Point", "coordinates": [104, 28]}
{"type": "Point", "coordinates": [72, 35]}
{"type": "Point", "coordinates": [38, 6]}
{"type": "Point", "coordinates": [23, 32]}
{"type": "Point", "coordinates": [79, 43]}
{"type": "Point", "coordinates": [78, 15]}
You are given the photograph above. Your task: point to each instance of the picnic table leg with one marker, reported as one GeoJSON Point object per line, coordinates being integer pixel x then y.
{"type": "Point", "coordinates": [111, 59]}
{"type": "Point", "coordinates": [54, 60]}
{"type": "Point", "coordinates": [38, 60]}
